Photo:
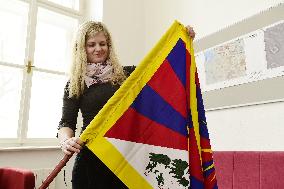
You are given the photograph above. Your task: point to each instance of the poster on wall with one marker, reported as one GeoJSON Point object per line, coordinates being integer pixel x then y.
{"type": "Point", "coordinates": [252, 57]}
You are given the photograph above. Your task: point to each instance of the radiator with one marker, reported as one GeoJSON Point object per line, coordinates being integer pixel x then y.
{"type": "Point", "coordinates": [41, 175]}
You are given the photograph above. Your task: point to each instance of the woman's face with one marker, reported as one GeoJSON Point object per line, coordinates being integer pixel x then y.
{"type": "Point", "coordinates": [97, 48]}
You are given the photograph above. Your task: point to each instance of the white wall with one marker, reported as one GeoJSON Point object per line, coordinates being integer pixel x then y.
{"type": "Point", "coordinates": [249, 128]}
{"type": "Point", "coordinates": [125, 20]}
{"type": "Point", "coordinates": [93, 10]}
{"type": "Point", "coordinates": [205, 16]}
{"type": "Point", "coordinates": [160, 14]}
{"type": "Point", "coordinates": [137, 25]}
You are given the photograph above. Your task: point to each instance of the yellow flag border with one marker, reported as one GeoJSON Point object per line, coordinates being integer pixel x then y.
{"type": "Point", "coordinates": [93, 135]}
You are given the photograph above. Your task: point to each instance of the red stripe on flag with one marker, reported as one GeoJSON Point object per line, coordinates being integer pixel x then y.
{"type": "Point", "coordinates": [206, 157]}
{"type": "Point", "coordinates": [166, 83]}
{"type": "Point", "coordinates": [194, 157]}
{"type": "Point", "coordinates": [188, 63]}
{"type": "Point", "coordinates": [197, 79]}
{"type": "Point", "coordinates": [135, 127]}
{"type": "Point", "coordinates": [210, 181]}
{"type": "Point", "coordinates": [205, 143]}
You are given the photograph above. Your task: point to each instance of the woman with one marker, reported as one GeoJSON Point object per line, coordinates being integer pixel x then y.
{"type": "Point", "coordinates": [95, 75]}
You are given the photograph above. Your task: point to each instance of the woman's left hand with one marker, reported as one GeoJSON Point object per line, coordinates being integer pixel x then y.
{"type": "Point", "coordinates": [190, 31]}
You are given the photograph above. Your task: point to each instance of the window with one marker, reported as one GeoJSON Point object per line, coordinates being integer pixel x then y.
{"type": "Point", "coordinates": [12, 40]}
{"type": "Point", "coordinates": [73, 4]}
{"type": "Point", "coordinates": [10, 95]}
{"type": "Point", "coordinates": [35, 52]}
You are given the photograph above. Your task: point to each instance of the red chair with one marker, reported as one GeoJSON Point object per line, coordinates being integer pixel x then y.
{"type": "Point", "coordinates": [15, 178]}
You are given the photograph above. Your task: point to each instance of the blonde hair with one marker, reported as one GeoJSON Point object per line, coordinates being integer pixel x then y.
{"type": "Point", "coordinates": [79, 58]}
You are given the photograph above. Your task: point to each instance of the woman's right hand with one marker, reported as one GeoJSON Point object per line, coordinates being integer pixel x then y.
{"type": "Point", "coordinates": [71, 145]}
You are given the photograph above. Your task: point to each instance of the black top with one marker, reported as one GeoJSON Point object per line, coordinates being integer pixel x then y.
{"type": "Point", "coordinates": [89, 171]}
{"type": "Point", "coordinates": [90, 102]}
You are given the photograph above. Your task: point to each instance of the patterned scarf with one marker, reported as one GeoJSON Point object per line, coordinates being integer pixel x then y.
{"type": "Point", "coordinates": [98, 73]}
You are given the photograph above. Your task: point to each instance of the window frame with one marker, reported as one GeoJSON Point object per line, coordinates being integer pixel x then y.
{"type": "Point", "coordinates": [28, 68]}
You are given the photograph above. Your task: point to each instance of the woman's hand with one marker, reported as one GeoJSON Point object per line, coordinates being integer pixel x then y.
{"type": "Point", "coordinates": [71, 145]}
{"type": "Point", "coordinates": [190, 31]}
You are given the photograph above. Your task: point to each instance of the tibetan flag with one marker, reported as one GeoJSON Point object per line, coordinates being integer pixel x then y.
{"type": "Point", "coordinates": [152, 133]}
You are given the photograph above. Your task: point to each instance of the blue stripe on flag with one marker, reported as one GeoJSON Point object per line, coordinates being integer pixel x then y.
{"type": "Point", "coordinates": [196, 184]}
{"type": "Point", "coordinates": [201, 111]}
{"type": "Point", "coordinates": [203, 131]}
{"type": "Point", "coordinates": [215, 187]}
{"type": "Point", "coordinates": [208, 172]}
{"type": "Point", "coordinates": [207, 164]}
{"type": "Point", "coordinates": [177, 59]}
{"type": "Point", "coordinates": [189, 119]}
{"type": "Point", "coordinates": [150, 104]}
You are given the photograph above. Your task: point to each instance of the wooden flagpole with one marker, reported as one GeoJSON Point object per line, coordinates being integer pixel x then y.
{"type": "Point", "coordinates": [55, 171]}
